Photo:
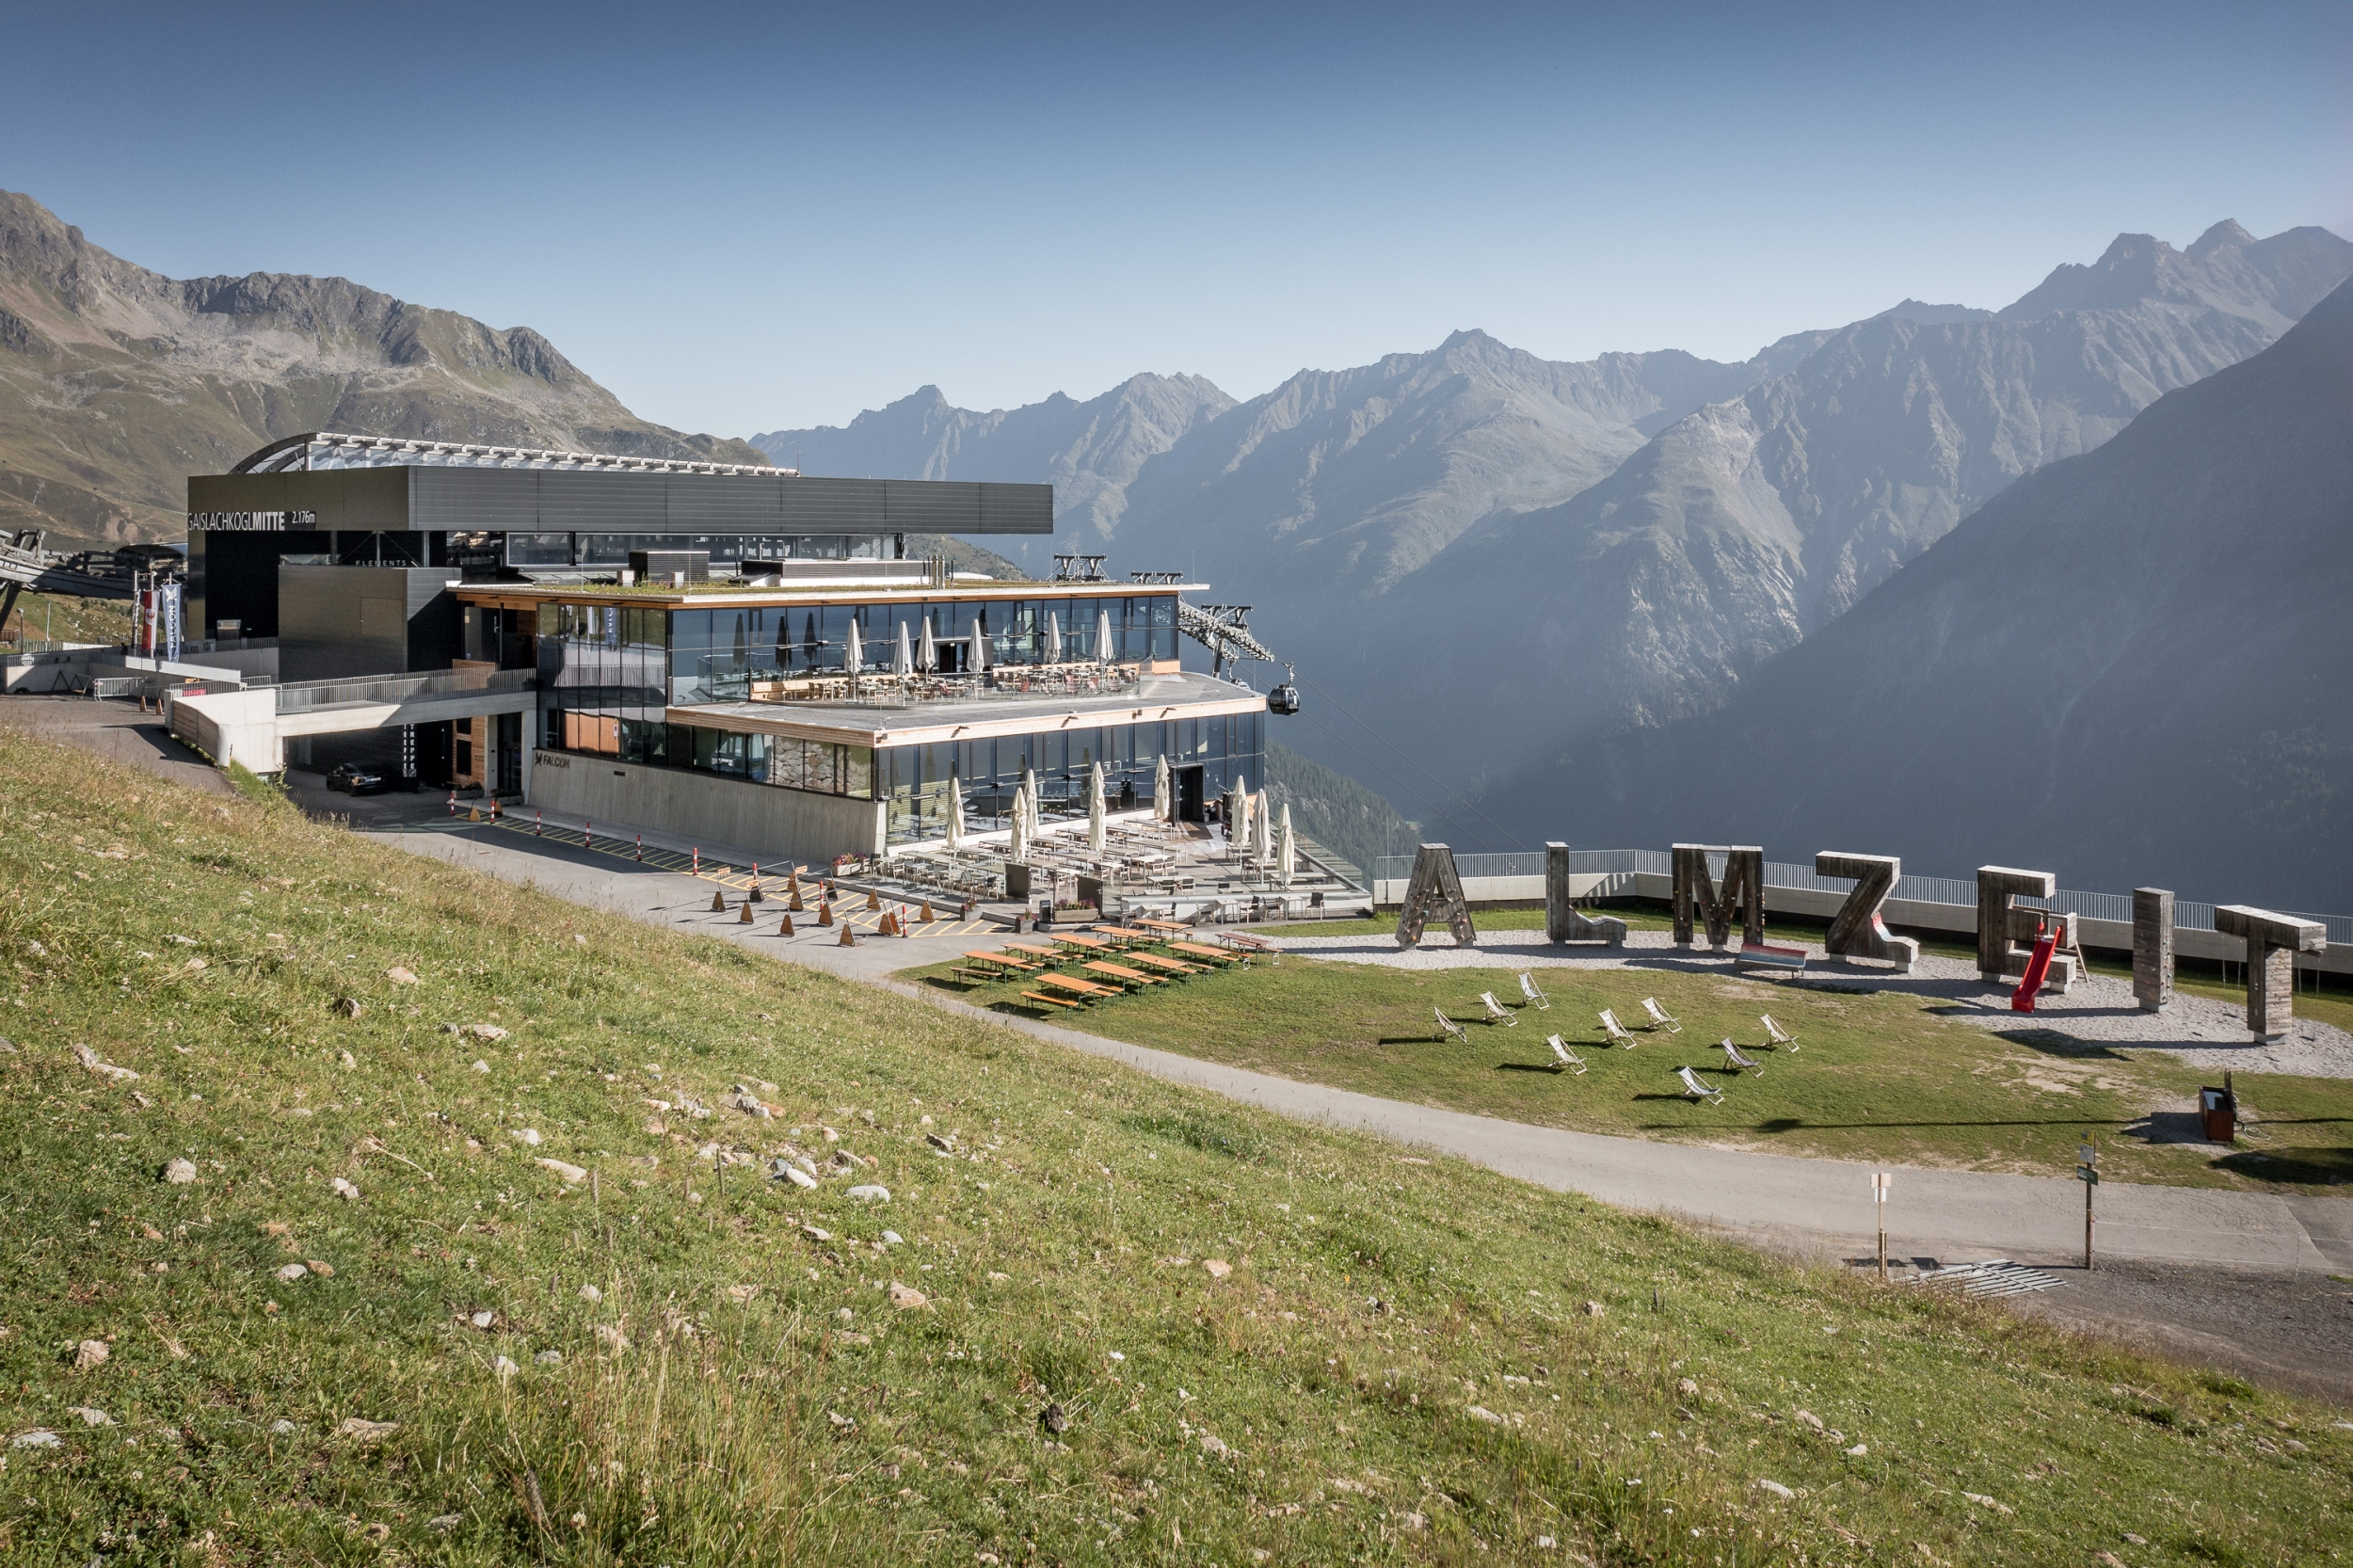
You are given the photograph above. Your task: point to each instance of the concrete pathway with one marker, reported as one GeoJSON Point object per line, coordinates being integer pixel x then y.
{"type": "Point", "coordinates": [1812, 1203]}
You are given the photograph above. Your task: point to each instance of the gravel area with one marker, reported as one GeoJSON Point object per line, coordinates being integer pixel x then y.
{"type": "Point", "coordinates": [2098, 1010]}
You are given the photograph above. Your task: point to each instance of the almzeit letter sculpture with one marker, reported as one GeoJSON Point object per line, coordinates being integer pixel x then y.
{"type": "Point", "coordinates": [2153, 948]}
{"type": "Point", "coordinates": [2272, 943]}
{"type": "Point", "coordinates": [1435, 890]}
{"type": "Point", "coordinates": [1564, 920]}
{"type": "Point", "coordinates": [1744, 885]}
{"type": "Point", "coordinates": [2001, 924]}
{"type": "Point", "coordinates": [1858, 931]}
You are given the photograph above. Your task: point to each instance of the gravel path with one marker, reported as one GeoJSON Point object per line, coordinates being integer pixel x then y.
{"type": "Point", "coordinates": [2099, 1010]}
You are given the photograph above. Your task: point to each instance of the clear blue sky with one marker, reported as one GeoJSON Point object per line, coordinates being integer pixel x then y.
{"type": "Point", "coordinates": [744, 218]}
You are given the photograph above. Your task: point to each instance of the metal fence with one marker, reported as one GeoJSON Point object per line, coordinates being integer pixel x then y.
{"type": "Point", "coordinates": [1960, 891]}
{"type": "Point", "coordinates": [306, 695]}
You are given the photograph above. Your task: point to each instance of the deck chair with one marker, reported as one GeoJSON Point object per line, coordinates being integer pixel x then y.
{"type": "Point", "coordinates": [1773, 1035]}
{"type": "Point", "coordinates": [1496, 1011]}
{"type": "Point", "coordinates": [1734, 1060]}
{"type": "Point", "coordinates": [1536, 999]}
{"type": "Point", "coordinates": [1564, 1056]}
{"type": "Point", "coordinates": [1660, 1017]}
{"type": "Point", "coordinates": [1454, 1029]}
{"type": "Point", "coordinates": [1696, 1090]}
{"type": "Point", "coordinates": [1614, 1031]}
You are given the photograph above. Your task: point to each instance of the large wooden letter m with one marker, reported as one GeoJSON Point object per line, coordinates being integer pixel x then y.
{"type": "Point", "coordinates": [1696, 890]}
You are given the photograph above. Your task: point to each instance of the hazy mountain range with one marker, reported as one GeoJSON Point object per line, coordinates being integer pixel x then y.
{"type": "Point", "coordinates": [1494, 558]}
{"type": "Point", "coordinates": [2127, 669]}
{"type": "Point", "coordinates": [116, 383]}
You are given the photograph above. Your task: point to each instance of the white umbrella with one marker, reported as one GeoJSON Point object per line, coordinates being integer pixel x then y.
{"type": "Point", "coordinates": [855, 660]}
{"type": "Point", "coordinates": [926, 652]}
{"type": "Point", "coordinates": [980, 648]}
{"type": "Point", "coordinates": [956, 814]}
{"type": "Point", "coordinates": [903, 661]}
{"type": "Point", "coordinates": [1163, 802]}
{"type": "Point", "coordinates": [1030, 797]}
{"type": "Point", "coordinates": [1053, 638]}
{"type": "Point", "coordinates": [1286, 849]}
{"type": "Point", "coordinates": [1095, 809]}
{"type": "Point", "coordinates": [1103, 636]}
{"type": "Point", "coordinates": [1017, 847]}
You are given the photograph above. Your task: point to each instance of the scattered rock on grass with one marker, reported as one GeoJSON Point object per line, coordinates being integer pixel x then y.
{"type": "Point", "coordinates": [360, 1429]}
{"type": "Point", "coordinates": [344, 1189]}
{"type": "Point", "coordinates": [871, 1193]}
{"type": "Point", "coordinates": [610, 1337]}
{"type": "Point", "coordinates": [39, 1437]}
{"type": "Point", "coordinates": [180, 1173]}
{"type": "Point", "coordinates": [349, 1007]}
{"type": "Point", "coordinates": [1594, 1309]}
{"type": "Point", "coordinates": [90, 1416]}
{"type": "Point", "coordinates": [89, 1353]}
{"type": "Point", "coordinates": [568, 1172]}
{"type": "Point", "coordinates": [1054, 1419]}
{"type": "Point", "coordinates": [906, 1298]}
{"type": "Point", "coordinates": [292, 1272]}
{"type": "Point", "coordinates": [91, 1060]}
{"type": "Point", "coordinates": [283, 1428]}
{"type": "Point", "coordinates": [483, 1321]}
{"type": "Point", "coordinates": [549, 1358]}
{"type": "Point", "coordinates": [1218, 1266]}
{"type": "Point", "coordinates": [441, 1524]}
{"type": "Point", "coordinates": [529, 1136]}
{"type": "Point", "coordinates": [1776, 1489]}
{"type": "Point", "coordinates": [591, 1295]}
{"type": "Point", "coordinates": [400, 976]}
{"type": "Point", "coordinates": [1686, 1386]}
{"type": "Point", "coordinates": [503, 1368]}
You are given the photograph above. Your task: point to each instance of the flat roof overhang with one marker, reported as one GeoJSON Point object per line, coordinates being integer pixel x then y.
{"type": "Point", "coordinates": [525, 595]}
{"type": "Point", "coordinates": [1188, 695]}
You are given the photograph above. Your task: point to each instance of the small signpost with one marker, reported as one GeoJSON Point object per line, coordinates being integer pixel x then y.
{"type": "Point", "coordinates": [2088, 1172]}
{"type": "Point", "coordinates": [1879, 1180]}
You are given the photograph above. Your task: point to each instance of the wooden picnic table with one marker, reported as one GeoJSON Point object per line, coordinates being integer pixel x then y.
{"type": "Point", "coordinates": [1001, 959]}
{"type": "Point", "coordinates": [1171, 965]}
{"type": "Point", "coordinates": [1163, 925]}
{"type": "Point", "coordinates": [1199, 952]}
{"type": "Point", "coordinates": [1083, 987]}
{"type": "Point", "coordinates": [1122, 973]}
{"type": "Point", "coordinates": [1089, 943]}
{"type": "Point", "coordinates": [1050, 954]}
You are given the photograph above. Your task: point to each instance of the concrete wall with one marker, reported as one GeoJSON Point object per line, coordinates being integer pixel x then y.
{"type": "Point", "coordinates": [794, 824]}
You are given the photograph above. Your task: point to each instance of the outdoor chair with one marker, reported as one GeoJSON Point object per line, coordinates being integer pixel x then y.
{"type": "Point", "coordinates": [1696, 1090]}
{"type": "Point", "coordinates": [1660, 1017]}
{"type": "Point", "coordinates": [1536, 999]}
{"type": "Point", "coordinates": [1460, 1034]}
{"type": "Point", "coordinates": [1496, 1011]}
{"type": "Point", "coordinates": [1773, 1035]}
{"type": "Point", "coordinates": [1734, 1060]}
{"type": "Point", "coordinates": [1614, 1031]}
{"type": "Point", "coordinates": [1564, 1056]}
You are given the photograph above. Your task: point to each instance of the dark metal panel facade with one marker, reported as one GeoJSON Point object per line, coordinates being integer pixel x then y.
{"type": "Point", "coordinates": [602, 502]}
{"type": "Point", "coordinates": [1014, 509]}
{"type": "Point", "coordinates": [342, 621]}
{"type": "Point", "coordinates": [833, 506]}
{"type": "Point", "coordinates": [726, 503]}
{"type": "Point", "coordinates": [373, 498]}
{"type": "Point", "coordinates": [933, 507]}
{"type": "Point", "coordinates": [476, 500]}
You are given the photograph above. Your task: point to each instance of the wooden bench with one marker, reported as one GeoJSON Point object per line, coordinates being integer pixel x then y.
{"type": "Point", "coordinates": [1170, 965]}
{"type": "Point", "coordinates": [1014, 964]}
{"type": "Point", "coordinates": [1771, 957]}
{"type": "Point", "coordinates": [1052, 1002]}
{"type": "Point", "coordinates": [1216, 956]}
{"type": "Point", "coordinates": [1082, 987]}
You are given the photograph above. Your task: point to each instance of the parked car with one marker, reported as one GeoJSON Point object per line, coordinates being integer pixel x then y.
{"type": "Point", "coordinates": [353, 780]}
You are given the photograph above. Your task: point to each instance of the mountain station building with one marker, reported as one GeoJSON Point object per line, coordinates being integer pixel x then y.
{"type": "Point", "coordinates": [728, 654]}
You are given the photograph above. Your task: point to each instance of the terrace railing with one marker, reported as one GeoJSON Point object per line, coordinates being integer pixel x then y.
{"type": "Point", "coordinates": [302, 696]}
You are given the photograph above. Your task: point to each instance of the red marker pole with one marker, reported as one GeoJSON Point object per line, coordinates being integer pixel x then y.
{"type": "Point", "coordinates": [641, 848]}
{"type": "Point", "coordinates": [453, 802]}
{"type": "Point", "coordinates": [587, 834]}
{"type": "Point", "coordinates": [698, 864]}
{"type": "Point", "coordinates": [538, 824]}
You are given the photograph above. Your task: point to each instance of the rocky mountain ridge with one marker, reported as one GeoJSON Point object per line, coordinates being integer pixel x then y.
{"type": "Point", "coordinates": [2124, 668]}
{"type": "Point", "coordinates": [117, 383]}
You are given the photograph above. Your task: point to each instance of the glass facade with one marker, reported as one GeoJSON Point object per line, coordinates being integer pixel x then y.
{"type": "Point", "coordinates": [547, 550]}
{"type": "Point", "coordinates": [1228, 748]}
{"type": "Point", "coordinates": [612, 671]}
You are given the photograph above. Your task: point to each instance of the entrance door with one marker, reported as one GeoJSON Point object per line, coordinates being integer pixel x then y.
{"type": "Point", "coordinates": [1188, 792]}
{"type": "Point", "coordinates": [510, 754]}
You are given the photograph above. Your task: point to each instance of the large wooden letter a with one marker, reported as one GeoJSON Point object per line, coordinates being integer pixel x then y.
{"type": "Point", "coordinates": [1435, 890]}
{"type": "Point", "coordinates": [1695, 888]}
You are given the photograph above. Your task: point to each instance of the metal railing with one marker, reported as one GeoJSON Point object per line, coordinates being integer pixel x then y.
{"type": "Point", "coordinates": [302, 696]}
{"type": "Point", "coordinates": [1956, 891]}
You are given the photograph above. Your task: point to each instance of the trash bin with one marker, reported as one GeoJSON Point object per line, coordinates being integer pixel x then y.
{"type": "Point", "coordinates": [2218, 1114]}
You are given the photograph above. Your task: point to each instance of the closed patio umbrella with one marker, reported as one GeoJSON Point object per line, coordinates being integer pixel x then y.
{"type": "Point", "coordinates": [1163, 798]}
{"type": "Point", "coordinates": [1102, 636]}
{"type": "Point", "coordinates": [1053, 638]}
{"type": "Point", "coordinates": [855, 659]}
{"type": "Point", "coordinates": [980, 648]}
{"type": "Point", "coordinates": [1095, 809]}
{"type": "Point", "coordinates": [1017, 846]}
{"type": "Point", "coordinates": [1286, 850]}
{"type": "Point", "coordinates": [903, 661]}
{"type": "Point", "coordinates": [927, 651]}
{"type": "Point", "coordinates": [955, 813]}
{"type": "Point", "coordinates": [1030, 794]}
{"type": "Point", "coordinates": [1262, 828]}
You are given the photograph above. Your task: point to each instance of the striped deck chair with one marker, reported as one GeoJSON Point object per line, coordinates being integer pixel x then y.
{"type": "Point", "coordinates": [1614, 1033]}
{"type": "Point", "coordinates": [1536, 999]}
{"type": "Point", "coordinates": [1660, 1017]}
{"type": "Point", "coordinates": [1734, 1060]}
{"type": "Point", "coordinates": [1564, 1056]}
{"type": "Point", "coordinates": [1496, 1011]}
{"type": "Point", "coordinates": [1696, 1090]}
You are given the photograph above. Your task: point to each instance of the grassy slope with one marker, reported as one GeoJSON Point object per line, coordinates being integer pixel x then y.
{"type": "Point", "coordinates": [744, 1423]}
{"type": "Point", "coordinates": [65, 618]}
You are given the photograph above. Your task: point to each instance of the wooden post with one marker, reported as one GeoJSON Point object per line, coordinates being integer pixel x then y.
{"type": "Point", "coordinates": [1879, 1180]}
{"type": "Point", "coordinates": [2153, 948]}
{"type": "Point", "coordinates": [2088, 1171]}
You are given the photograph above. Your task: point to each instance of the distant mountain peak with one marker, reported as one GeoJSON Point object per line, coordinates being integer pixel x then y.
{"type": "Point", "coordinates": [1936, 316]}
{"type": "Point", "coordinates": [2225, 233]}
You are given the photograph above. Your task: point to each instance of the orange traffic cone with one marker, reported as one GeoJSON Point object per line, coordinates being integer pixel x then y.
{"type": "Point", "coordinates": [787, 929]}
{"type": "Point", "coordinates": [874, 900]}
{"type": "Point", "coordinates": [795, 906]}
{"type": "Point", "coordinates": [474, 813]}
{"type": "Point", "coordinates": [718, 903]}
{"type": "Point", "coordinates": [927, 911]}
{"type": "Point", "coordinates": [824, 914]}
{"type": "Point", "coordinates": [746, 918]}
{"type": "Point", "coordinates": [849, 937]}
